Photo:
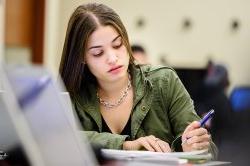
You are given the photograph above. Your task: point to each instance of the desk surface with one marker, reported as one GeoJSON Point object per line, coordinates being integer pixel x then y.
{"type": "Point", "coordinates": [143, 163]}
{"type": "Point", "coordinates": [211, 163]}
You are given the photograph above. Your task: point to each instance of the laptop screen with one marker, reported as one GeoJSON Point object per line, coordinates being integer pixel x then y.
{"type": "Point", "coordinates": [42, 106]}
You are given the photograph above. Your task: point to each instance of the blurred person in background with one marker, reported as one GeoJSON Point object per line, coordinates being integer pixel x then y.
{"type": "Point", "coordinates": [213, 96]}
{"type": "Point", "coordinates": [139, 54]}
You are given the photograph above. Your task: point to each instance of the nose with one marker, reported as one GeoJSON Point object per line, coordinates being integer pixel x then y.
{"type": "Point", "coordinates": [112, 58]}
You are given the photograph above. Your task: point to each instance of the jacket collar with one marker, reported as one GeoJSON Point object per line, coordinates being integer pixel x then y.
{"type": "Point", "coordinates": [138, 82]}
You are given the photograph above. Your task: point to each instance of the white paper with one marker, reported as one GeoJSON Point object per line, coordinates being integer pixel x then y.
{"type": "Point", "coordinates": [175, 157]}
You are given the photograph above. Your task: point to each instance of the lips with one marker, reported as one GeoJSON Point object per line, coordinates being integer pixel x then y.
{"type": "Point", "coordinates": [115, 68]}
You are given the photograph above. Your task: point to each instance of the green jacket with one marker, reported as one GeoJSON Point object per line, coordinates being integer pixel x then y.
{"type": "Point", "coordinates": [161, 107]}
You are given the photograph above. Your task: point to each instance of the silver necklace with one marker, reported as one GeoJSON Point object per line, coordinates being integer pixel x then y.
{"type": "Point", "coordinates": [110, 105]}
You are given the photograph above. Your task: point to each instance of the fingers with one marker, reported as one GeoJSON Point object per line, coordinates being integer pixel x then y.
{"type": "Point", "coordinates": [144, 143]}
{"type": "Point", "coordinates": [198, 139]}
{"type": "Point", "coordinates": [164, 146]}
{"type": "Point", "coordinates": [192, 126]}
{"type": "Point", "coordinates": [159, 145]}
{"type": "Point", "coordinates": [151, 143]}
{"type": "Point", "coordinates": [191, 130]}
{"type": "Point", "coordinates": [197, 143]}
{"type": "Point", "coordinates": [200, 146]}
{"type": "Point", "coordinates": [195, 137]}
{"type": "Point", "coordinates": [196, 132]}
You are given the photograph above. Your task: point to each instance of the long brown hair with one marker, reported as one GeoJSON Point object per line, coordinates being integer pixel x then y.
{"type": "Point", "coordinates": [83, 22]}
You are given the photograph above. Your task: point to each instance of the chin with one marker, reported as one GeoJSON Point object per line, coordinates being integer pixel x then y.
{"type": "Point", "coordinates": [120, 75]}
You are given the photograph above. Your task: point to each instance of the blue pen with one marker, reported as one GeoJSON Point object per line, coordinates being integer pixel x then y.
{"type": "Point", "coordinates": [206, 117]}
{"type": "Point", "coordinates": [203, 121]}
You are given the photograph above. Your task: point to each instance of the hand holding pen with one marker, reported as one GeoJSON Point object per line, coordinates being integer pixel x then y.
{"type": "Point", "coordinates": [195, 137]}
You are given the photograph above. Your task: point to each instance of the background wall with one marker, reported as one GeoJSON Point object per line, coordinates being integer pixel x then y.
{"type": "Point", "coordinates": [2, 7]}
{"type": "Point", "coordinates": [53, 40]}
{"type": "Point", "coordinates": [164, 33]}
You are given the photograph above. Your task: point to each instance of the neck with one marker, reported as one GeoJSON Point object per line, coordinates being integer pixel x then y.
{"type": "Point", "coordinates": [113, 90]}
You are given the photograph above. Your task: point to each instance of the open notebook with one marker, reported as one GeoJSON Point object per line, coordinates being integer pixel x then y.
{"type": "Point", "coordinates": [170, 158]}
{"type": "Point", "coordinates": [36, 123]}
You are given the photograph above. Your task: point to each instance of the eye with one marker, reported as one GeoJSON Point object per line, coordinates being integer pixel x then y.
{"type": "Point", "coordinates": [97, 53]}
{"type": "Point", "coordinates": [117, 43]}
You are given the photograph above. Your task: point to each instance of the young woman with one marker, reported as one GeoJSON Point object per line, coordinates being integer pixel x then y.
{"type": "Point", "coordinates": [122, 105]}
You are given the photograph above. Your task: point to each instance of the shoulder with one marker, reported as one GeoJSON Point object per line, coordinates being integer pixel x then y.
{"type": "Point", "coordinates": [155, 75]}
{"type": "Point", "coordinates": [158, 71]}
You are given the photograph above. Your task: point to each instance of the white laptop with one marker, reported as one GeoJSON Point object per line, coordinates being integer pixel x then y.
{"type": "Point", "coordinates": [70, 112]}
{"type": "Point", "coordinates": [36, 119]}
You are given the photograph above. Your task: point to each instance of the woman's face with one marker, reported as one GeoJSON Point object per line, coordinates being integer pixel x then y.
{"type": "Point", "coordinates": [106, 55]}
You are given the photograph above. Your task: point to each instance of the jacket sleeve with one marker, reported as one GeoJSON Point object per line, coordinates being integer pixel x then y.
{"type": "Point", "coordinates": [105, 140]}
{"type": "Point", "coordinates": [181, 110]}
{"type": "Point", "coordinates": [90, 129]}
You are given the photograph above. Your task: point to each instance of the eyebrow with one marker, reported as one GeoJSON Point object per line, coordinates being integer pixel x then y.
{"type": "Point", "coordinates": [101, 46]}
{"type": "Point", "coordinates": [116, 38]}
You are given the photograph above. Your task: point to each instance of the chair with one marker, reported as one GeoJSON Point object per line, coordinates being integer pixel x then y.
{"type": "Point", "coordinates": [240, 103]}
{"type": "Point", "coordinates": [240, 99]}
{"type": "Point", "coordinates": [236, 139]}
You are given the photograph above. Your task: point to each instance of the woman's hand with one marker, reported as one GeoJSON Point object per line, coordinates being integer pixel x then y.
{"type": "Point", "coordinates": [150, 143]}
{"type": "Point", "coordinates": [195, 137]}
